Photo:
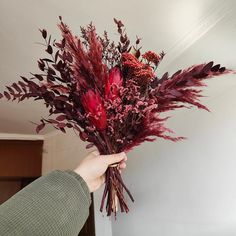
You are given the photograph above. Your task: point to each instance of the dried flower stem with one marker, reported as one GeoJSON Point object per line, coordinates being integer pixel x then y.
{"type": "Point", "coordinates": [113, 191]}
{"type": "Point", "coordinates": [114, 186]}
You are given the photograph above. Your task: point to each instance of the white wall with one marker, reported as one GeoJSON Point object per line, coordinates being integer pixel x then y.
{"type": "Point", "coordinates": [186, 188]}
{"type": "Point", "coordinates": [65, 151]}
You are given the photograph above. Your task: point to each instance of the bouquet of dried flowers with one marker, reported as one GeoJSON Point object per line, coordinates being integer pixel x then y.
{"type": "Point", "coordinates": [109, 93]}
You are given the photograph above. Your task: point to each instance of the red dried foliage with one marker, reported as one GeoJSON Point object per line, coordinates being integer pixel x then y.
{"type": "Point", "coordinates": [110, 96]}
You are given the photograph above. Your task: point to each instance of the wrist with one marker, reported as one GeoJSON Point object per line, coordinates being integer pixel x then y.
{"type": "Point", "coordinates": [83, 176]}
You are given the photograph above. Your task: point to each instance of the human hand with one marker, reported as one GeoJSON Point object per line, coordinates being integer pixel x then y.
{"type": "Point", "coordinates": [92, 169]}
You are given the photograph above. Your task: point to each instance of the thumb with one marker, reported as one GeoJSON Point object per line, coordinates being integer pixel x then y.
{"type": "Point", "coordinates": [115, 158]}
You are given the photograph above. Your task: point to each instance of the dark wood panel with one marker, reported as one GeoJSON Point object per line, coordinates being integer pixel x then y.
{"type": "Point", "coordinates": [8, 188]}
{"type": "Point", "coordinates": [89, 226]}
{"type": "Point", "coordinates": [20, 164]}
{"type": "Point", "coordinates": [20, 158]}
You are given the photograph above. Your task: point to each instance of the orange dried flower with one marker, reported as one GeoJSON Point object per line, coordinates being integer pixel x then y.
{"type": "Point", "coordinates": [151, 56]}
{"type": "Point", "coordinates": [137, 68]}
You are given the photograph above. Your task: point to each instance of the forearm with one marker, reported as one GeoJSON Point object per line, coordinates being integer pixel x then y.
{"type": "Point", "coordinates": [55, 204]}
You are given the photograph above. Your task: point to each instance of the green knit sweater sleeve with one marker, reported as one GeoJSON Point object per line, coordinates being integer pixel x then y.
{"type": "Point", "coordinates": [55, 204]}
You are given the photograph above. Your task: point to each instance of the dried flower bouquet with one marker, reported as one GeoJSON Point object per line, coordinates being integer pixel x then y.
{"type": "Point", "coordinates": [109, 93]}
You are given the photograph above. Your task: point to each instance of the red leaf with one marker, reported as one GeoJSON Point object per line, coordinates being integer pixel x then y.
{"type": "Point", "coordinates": [56, 55]}
{"type": "Point", "coordinates": [23, 97]}
{"type": "Point", "coordinates": [77, 128]}
{"type": "Point", "coordinates": [63, 43]}
{"type": "Point", "coordinates": [61, 125]}
{"type": "Point", "coordinates": [222, 69]}
{"type": "Point", "coordinates": [58, 45]}
{"type": "Point", "coordinates": [89, 145]}
{"type": "Point", "coordinates": [23, 86]}
{"type": "Point", "coordinates": [17, 96]}
{"type": "Point", "coordinates": [16, 87]}
{"type": "Point", "coordinates": [207, 67]}
{"type": "Point", "coordinates": [63, 130]}
{"type": "Point", "coordinates": [44, 33]}
{"type": "Point", "coordinates": [53, 121]}
{"type": "Point", "coordinates": [49, 49]}
{"type": "Point", "coordinates": [83, 136]}
{"type": "Point", "coordinates": [41, 65]}
{"type": "Point", "coordinates": [51, 71]}
{"type": "Point", "coordinates": [40, 127]}
{"type": "Point", "coordinates": [215, 68]}
{"type": "Point", "coordinates": [49, 39]}
{"type": "Point", "coordinates": [69, 125]}
{"type": "Point", "coordinates": [61, 118]}
{"type": "Point", "coordinates": [39, 77]}
{"type": "Point", "coordinates": [176, 73]}
{"type": "Point", "coordinates": [7, 95]}
{"type": "Point", "coordinates": [165, 76]}
{"type": "Point", "coordinates": [25, 79]}
{"type": "Point", "coordinates": [10, 90]}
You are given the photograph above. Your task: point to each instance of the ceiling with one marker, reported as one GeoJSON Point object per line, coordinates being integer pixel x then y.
{"type": "Point", "coordinates": [189, 31]}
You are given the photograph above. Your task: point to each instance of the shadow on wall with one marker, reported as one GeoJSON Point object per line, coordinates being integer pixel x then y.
{"type": "Point", "coordinates": [185, 188]}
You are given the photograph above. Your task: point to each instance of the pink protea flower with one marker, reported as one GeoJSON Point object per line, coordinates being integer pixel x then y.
{"type": "Point", "coordinates": [93, 106]}
{"type": "Point", "coordinates": [113, 84]}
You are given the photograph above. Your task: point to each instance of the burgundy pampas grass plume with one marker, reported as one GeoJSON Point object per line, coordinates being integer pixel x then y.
{"type": "Point", "coordinates": [92, 104]}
